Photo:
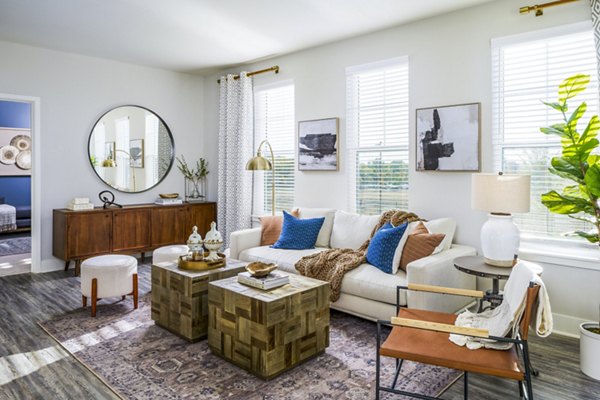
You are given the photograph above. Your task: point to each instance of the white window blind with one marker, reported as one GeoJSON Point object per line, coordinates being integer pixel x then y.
{"type": "Point", "coordinates": [527, 69]}
{"type": "Point", "coordinates": [274, 120]}
{"type": "Point", "coordinates": [377, 125]}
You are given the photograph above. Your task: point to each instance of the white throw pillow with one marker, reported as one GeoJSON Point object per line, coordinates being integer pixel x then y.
{"type": "Point", "coordinates": [325, 232]}
{"type": "Point", "coordinates": [351, 230]}
{"type": "Point", "coordinates": [447, 226]}
{"type": "Point", "coordinates": [398, 252]}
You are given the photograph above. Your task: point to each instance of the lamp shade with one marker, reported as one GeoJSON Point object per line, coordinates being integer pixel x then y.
{"type": "Point", "coordinates": [500, 193]}
{"type": "Point", "coordinates": [259, 163]}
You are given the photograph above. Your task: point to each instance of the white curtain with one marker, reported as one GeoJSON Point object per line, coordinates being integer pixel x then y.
{"type": "Point", "coordinates": [595, 5]}
{"type": "Point", "coordinates": [235, 149]}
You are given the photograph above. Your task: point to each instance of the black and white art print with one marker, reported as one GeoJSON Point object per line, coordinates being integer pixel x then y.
{"type": "Point", "coordinates": [448, 138]}
{"type": "Point", "coordinates": [318, 145]}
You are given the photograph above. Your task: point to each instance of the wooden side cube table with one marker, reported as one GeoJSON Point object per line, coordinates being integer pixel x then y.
{"type": "Point", "coordinates": [268, 332]}
{"type": "Point", "coordinates": [180, 298]}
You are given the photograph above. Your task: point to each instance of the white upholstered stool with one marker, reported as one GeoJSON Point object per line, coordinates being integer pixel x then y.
{"type": "Point", "coordinates": [169, 253]}
{"type": "Point", "coordinates": [109, 276]}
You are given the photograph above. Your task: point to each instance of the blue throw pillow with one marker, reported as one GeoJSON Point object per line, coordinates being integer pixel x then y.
{"type": "Point", "coordinates": [382, 247]}
{"type": "Point", "coordinates": [298, 234]}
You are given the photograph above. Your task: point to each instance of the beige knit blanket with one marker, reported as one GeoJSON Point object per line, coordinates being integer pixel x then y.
{"type": "Point", "coordinates": [331, 265]}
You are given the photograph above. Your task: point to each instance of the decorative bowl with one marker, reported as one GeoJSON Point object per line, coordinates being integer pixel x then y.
{"type": "Point", "coordinates": [168, 195]}
{"type": "Point", "coordinates": [259, 269]}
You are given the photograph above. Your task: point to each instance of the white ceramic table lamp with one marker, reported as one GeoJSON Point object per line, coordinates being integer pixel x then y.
{"type": "Point", "coordinates": [500, 195]}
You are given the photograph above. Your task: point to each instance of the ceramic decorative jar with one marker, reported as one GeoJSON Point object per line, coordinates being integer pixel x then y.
{"type": "Point", "coordinates": [213, 242]}
{"type": "Point", "coordinates": [194, 242]}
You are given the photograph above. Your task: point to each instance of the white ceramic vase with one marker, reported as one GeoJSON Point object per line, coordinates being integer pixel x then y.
{"type": "Point", "coordinates": [499, 240]}
{"type": "Point", "coordinates": [589, 350]}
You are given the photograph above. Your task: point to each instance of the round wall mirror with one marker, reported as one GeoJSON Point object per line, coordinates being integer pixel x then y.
{"type": "Point", "coordinates": [131, 149]}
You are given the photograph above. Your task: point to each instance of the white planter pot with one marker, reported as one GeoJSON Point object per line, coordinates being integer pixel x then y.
{"type": "Point", "coordinates": [589, 350]}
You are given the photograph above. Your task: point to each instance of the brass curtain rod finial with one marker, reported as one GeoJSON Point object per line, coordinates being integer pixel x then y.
{"type": "Point", "coordinates": [539, 8]}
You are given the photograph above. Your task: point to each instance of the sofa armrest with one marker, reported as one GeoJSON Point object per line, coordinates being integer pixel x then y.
{"type": "Point", "coordinates": [438, 269]}
{"type": "Point", "coordinates": [242, 240]}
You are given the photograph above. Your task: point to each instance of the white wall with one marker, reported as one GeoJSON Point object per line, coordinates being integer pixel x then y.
{"type": "Point", "coordinates": [75, 91]}
{"type": "Point", "coordinates": [450, 63]}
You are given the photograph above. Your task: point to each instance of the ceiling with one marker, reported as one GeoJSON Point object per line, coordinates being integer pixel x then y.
{"type": "Point", "coordinates": [199, 36]}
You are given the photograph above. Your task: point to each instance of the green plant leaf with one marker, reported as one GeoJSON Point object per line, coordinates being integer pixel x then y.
{"type": "Point", "coordinates": [591, 130]}
{"type": "Point", "coordinates": [566, 169]}
{"type": "Point", "coordinates": [556, 129]}
{"type": "Point", "coordinates": [590, 236]}
{"type": "Point", "coordinates": [571, 86]}
{"type": "Point", "coordinates": [561, 204]}
{"type": "Point", "coordinates": [592, 179]}
{"type": "Point", "coordinates": [556, 106]}
{"type": "Point", "coordinates": [576, 115]}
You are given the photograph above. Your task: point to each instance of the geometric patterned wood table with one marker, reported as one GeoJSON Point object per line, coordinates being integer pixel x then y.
{"type": "Point", "coordinates": [180, 298]}
{"type": "Point", "coordinates": [268, 332]}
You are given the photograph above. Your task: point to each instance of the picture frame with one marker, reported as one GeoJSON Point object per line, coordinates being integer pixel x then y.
{"type": "Point", "coordinates": [318, 144]}
{"type": "Point", "coordinates": [15, 151]}
{"type": "Point", "coordinates": [136, 152]}
{"type": "Point", "coordinates": [110, 150]}
{"type": "Point", "coordinates": [448, 138]}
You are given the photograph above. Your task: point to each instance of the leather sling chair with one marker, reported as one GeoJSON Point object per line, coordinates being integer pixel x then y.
{"type": "Point", "coordinates": [422, 336]}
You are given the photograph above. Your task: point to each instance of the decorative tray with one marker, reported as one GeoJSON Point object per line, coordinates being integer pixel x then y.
{"type": "Point", "coordinates": [189, 265]}
{"type": "Point", "coordinates": [258, 269]}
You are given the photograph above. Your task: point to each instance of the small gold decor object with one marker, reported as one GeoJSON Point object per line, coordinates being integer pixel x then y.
{"type": "Point", "coordinates": [168, 195]}
{"type": "Point", "coordinates": [259, 269]}
{"type": "Point", "coordinates": [186, 263]}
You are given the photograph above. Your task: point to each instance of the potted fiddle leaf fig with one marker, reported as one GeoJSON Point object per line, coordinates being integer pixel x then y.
{"type": "Point", "coordinates": [580, 164]}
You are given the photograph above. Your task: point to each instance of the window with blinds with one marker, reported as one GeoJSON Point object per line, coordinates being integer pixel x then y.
{"type": "Point", "coordinates": [274, 120]}
{"type": "Point", "coordinates": [526, 70]}
{"type": "Point", "coordinates": [377, 125]}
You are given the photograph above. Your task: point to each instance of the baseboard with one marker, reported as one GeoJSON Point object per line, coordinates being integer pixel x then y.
{"type": "Point", "coordinates": [52, 264]}
{"type": "Point", "coordinates": [566, 325]}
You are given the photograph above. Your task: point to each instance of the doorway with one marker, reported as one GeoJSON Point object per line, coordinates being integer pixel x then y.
{"type": "Point", "coordinates": [19, 199]}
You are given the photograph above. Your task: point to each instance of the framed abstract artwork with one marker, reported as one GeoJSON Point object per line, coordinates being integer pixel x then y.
{"type": "Point", "coordinates": [318, 145]}
{"type": "Point", "coordinates": [448, 138]}
{"type": "Point", "coordinates": [136, 151]}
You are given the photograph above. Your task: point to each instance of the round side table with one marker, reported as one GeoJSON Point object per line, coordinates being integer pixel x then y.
{"type": "Point", "coordinates": [475, 265]}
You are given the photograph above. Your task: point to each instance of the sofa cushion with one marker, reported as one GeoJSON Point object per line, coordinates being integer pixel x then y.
{"type": "Point", "coordinates": [298, 234]}
{"type": "Point", "coordinates": [285, 259]}
{"type": "Point", "coordinates": [420, 244]}
{"type": "Point", "coordinates": [368, 282]}
{"type": "Point", "coordinates": [446, 226]}
{"type": "Point", "coordinates": [365, 281]}
{"type": "Point", "coordinates": [325, 233]}
{"type": "Point", "coordinates": [351, 230]}
{"type": "Point", "coordinates": [383, 247]}
{"type": "Point", "coordinates": [270, 228]}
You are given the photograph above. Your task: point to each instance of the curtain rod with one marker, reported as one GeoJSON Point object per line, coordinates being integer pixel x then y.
{"type": "Point", "coordinates": [274, 68]}
{"type": "Point", "coordinates": [539, 8]}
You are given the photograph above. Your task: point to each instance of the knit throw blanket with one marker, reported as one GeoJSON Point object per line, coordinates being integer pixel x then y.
{"type": "Point", "coordinates": [331, 265]}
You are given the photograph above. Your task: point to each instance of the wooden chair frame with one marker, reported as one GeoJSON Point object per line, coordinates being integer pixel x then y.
{"type": "Point", "coordinates": [520, 342]}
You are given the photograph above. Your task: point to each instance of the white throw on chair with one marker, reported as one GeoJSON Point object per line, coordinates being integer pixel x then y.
{"type": "Point", "coordinates": [109, 276]}
{"type": "Point", "coordinates": [169, 253]}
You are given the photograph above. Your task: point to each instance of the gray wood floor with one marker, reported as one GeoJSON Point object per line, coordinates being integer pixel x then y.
{"type": "Point", "coordinates": [32, 366]}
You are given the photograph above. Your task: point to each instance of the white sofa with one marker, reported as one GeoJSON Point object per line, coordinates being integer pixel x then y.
{"type": "Point", "coordinates": [367, 291]}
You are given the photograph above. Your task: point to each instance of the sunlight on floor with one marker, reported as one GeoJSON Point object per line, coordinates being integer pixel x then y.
{"type": "Point", "coordinates": [15, 264]}
{"type": "Point", "coordinates": [19, 365]}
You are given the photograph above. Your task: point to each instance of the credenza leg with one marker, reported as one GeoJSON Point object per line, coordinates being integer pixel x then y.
{"type": "Point", "coordinates": [67, 262]}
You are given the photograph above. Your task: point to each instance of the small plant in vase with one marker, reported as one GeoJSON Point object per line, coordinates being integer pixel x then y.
{"type": "Point", "coordinates": [195, 178]}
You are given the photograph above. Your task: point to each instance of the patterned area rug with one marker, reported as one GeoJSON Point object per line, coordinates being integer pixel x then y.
{"type": "Point", "coordinates": [15, 246]}
{"type": "Point", "coordinates": [139, 360]}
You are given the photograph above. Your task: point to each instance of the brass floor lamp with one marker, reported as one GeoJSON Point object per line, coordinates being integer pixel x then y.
{"type": "Point", "coordinates": [259, 163]}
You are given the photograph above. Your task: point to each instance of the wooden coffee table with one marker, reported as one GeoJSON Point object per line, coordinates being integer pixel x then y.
{"type": "Point", "coordinates": [180, 298]}
{"type": "Point", "coordinates": [268, 332]}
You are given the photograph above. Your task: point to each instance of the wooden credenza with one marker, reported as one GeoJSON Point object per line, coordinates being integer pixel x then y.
{"type": "Point", "coordinates": [77, 235]}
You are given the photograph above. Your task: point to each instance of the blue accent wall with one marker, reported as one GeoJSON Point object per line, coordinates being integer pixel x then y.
{"type": "Point", "coordinates": [14, 114]}
{"type": "Point", "coordinates": [16, 190]}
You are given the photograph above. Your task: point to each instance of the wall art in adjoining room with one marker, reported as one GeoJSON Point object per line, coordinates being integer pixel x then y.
{"type": "Point", "coordinates": [15, 152]}
{"type": "Point", "coordinates": [318, 145]}
{"type": "Point", "coordinates": [448, 138]}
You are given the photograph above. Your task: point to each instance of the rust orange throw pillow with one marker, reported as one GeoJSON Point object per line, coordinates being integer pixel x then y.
{"type": "Point", "coordinates": [420, 243]}
{"type": "Point", "coordinates": [270, 228]}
